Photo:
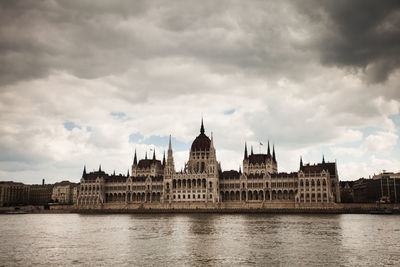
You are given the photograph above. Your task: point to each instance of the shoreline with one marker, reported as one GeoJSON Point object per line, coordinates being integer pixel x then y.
{"type": "Point", "coordinates": [342, 208]}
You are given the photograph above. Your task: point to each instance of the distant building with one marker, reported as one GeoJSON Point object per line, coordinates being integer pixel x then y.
{"type": "Point", "coordinates": [203, 181]}
{"type": "Point", "coordinates": [384, 187]}
{"type": "Point", "coordinates": [346, 191]}
{"type": "Point", "coordinates": [63, 192]}
{"type": "Point", "coordinates": [40, 194]}
{"type": "Point", "coordinates": [75, 193]}
{"type": "Point", "coordinates": [12, 194]}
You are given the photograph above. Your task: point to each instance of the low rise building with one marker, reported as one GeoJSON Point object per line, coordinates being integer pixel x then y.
{"type": "Point", "coordinates": [346, 191]}
{"type": "Point", "coordinates": [384, 187]}
{"type": "Point", "coordinates": [63, 192]}
{"type": "Point", "coordinates": [12, 193]}
{"type": "Point", "coordinates": [40, 194]}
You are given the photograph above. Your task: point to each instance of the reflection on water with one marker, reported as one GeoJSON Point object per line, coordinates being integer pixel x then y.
{"type": "Point", "coordinates": [199, 239]}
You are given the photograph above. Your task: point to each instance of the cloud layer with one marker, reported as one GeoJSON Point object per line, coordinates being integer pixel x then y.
{"type": "Point", "coordinates": [79, 78]}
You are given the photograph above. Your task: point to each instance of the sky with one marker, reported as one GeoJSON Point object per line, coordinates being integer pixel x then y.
{"type": "Point", "coordinates": [88, 82]}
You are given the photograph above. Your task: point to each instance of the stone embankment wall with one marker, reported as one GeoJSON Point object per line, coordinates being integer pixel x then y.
{"type": "Point", "coordinates": [211, 208]}
{"type": "Point", "coordinates": [236, 208]}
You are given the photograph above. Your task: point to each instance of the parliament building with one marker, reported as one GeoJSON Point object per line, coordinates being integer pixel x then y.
{"type": "Point", "coordinates": [202, 181]}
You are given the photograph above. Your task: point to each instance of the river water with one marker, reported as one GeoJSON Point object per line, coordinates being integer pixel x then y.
{"type": "Point", "coordinates": [199, 240]}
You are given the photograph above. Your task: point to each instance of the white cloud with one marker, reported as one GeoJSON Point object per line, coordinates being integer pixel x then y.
{"type": "Point", "coordinates": [381, 141]}
{"type": "Point", "coordinates": [166, 65]}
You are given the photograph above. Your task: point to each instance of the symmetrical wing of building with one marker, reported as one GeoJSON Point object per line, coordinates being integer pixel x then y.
{"type": "Point", "coordinates": [203, 181]}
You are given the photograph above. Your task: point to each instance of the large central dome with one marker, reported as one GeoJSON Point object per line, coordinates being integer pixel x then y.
{"type": "Point", "coordinates": [202, 142]}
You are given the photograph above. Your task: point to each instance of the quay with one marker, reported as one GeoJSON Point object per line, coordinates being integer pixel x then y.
{"type": "Point", "coordinates": [339, 208]}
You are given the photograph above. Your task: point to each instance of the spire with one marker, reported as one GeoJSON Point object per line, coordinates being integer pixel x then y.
{"type": "Point", "coordinates": [273, 153]}
{"type": "Point", "coordinates": [268, 152]}
{"type": "Point", "coordinates": [154, 154]}
{"type": "Point", "coordinates": [170, 156]}
{"type": "Point", "coordinates": [240, 169]}
{"type": "Point", "coordinates": [202, 126]}
{"type": "Point", "coordinates": [114, 173]}
{"type": "Point", "coordinates": [212, 141]}
{"type": "Point", "coordinates": [163, 160]}
{"type": "Point", "coordinates": [323, 159]}
{"type": "Point", "coordinates": [245, 150]}
{"type": "Point", "coordinates": [251, 153]}
{"type": "Point", "coordinates": [100, 168]}
{"type": "Point", "coordinates": [145, 156]}
{"type": "Point", "coordinates": [84, 171]}
{"type": "Point", "coordinates": [127, 174]}
{"type": "Point", "coordinates": [135, 159]}
{"type": "Point", "coordinates": [301, 162]}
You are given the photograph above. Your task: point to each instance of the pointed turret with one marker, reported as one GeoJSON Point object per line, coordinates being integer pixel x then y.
{"type": "Point", "coordinates": [135, 159]}
{"type": "Point", "coordinates": [240, 170]}
{"type": "Point", "coordinates": [145, 156]}
{"type": "Point", "coordinates": [212, 142]}
{"type": "Point", "coordinates": [202, 126]}
{"type": "Point", "coordinates": [245, 150]}
{"type": "Point", "coordinates": [154, 154]}
{"type": "Point", "coordinates": [84, 171]}
{"type": "Point", "coordinates": [268, 151]}
{"type": "Point", "coordinates": [251, 153]}
{"type": "Point", "coordinates": [114, 173]}
{"type": "Point", "coordinates": [100, 168]}
{"type": "Point", "coordinates": [323, 159]}
{"type": "Point", "coordinates": [301, 162]}
{"type": "Point", "coordinates": [273, 153]}
{"type": "Point", "coordinates": [170, 158]}
{"type": "Point", "coordinates": [163, 160]}
{"type": "Point", "coordinates": [127, 174]}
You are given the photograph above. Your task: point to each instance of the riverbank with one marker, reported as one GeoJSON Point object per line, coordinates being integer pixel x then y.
{"type": "Point", "coordinates": [288, 208]}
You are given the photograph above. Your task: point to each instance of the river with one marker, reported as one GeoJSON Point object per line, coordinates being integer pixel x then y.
{"type": "Point", "coordinates": [199, 240]}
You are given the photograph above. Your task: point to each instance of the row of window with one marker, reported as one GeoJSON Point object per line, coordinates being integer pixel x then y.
{"type": "Point", "coordinates": [189, 183]}
{"type": "Point", "coordinates": [230, 186]}
{"type": "Point", "coordinates": [188, 196]}
{"type": "Point", "coordinates": [283, 184]}
{"type": "Point", "coordinates": [313, 183]}
{"type": "Point", "coordinates": [92, 187]}
{"type": "Point", "coordinates": [313, 195]}
{"type": "Point", "coordinates": [260, 185]}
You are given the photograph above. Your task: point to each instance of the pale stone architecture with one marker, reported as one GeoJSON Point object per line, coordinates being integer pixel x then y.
{"type": "Point", "coordinates": [203, 181]}
{"type": "Point", "coordinates": [12, 193]}
{"type": "Point", "coordinates": [63, 192]}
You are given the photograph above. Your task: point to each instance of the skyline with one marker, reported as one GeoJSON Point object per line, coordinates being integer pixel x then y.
{"type": "Point", "coordinates": [87, 83]}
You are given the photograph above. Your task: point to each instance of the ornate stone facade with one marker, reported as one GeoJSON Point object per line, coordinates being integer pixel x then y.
{"type": "Point", "coordinates": [203, 181]}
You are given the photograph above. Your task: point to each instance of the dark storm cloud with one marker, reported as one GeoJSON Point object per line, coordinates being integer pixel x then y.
{"type": "Point", "coordinates": [91, 39]}
{"type": "Point", "coordinates": [362, 34]}
{"type": "Point", "coordinates": [80, 37]}
{"type": "Point", "coordinates": [95, 39]}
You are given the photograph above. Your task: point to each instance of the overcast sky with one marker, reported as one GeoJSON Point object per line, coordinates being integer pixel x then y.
{"type": "Point", "coordinates": [87, 82]}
